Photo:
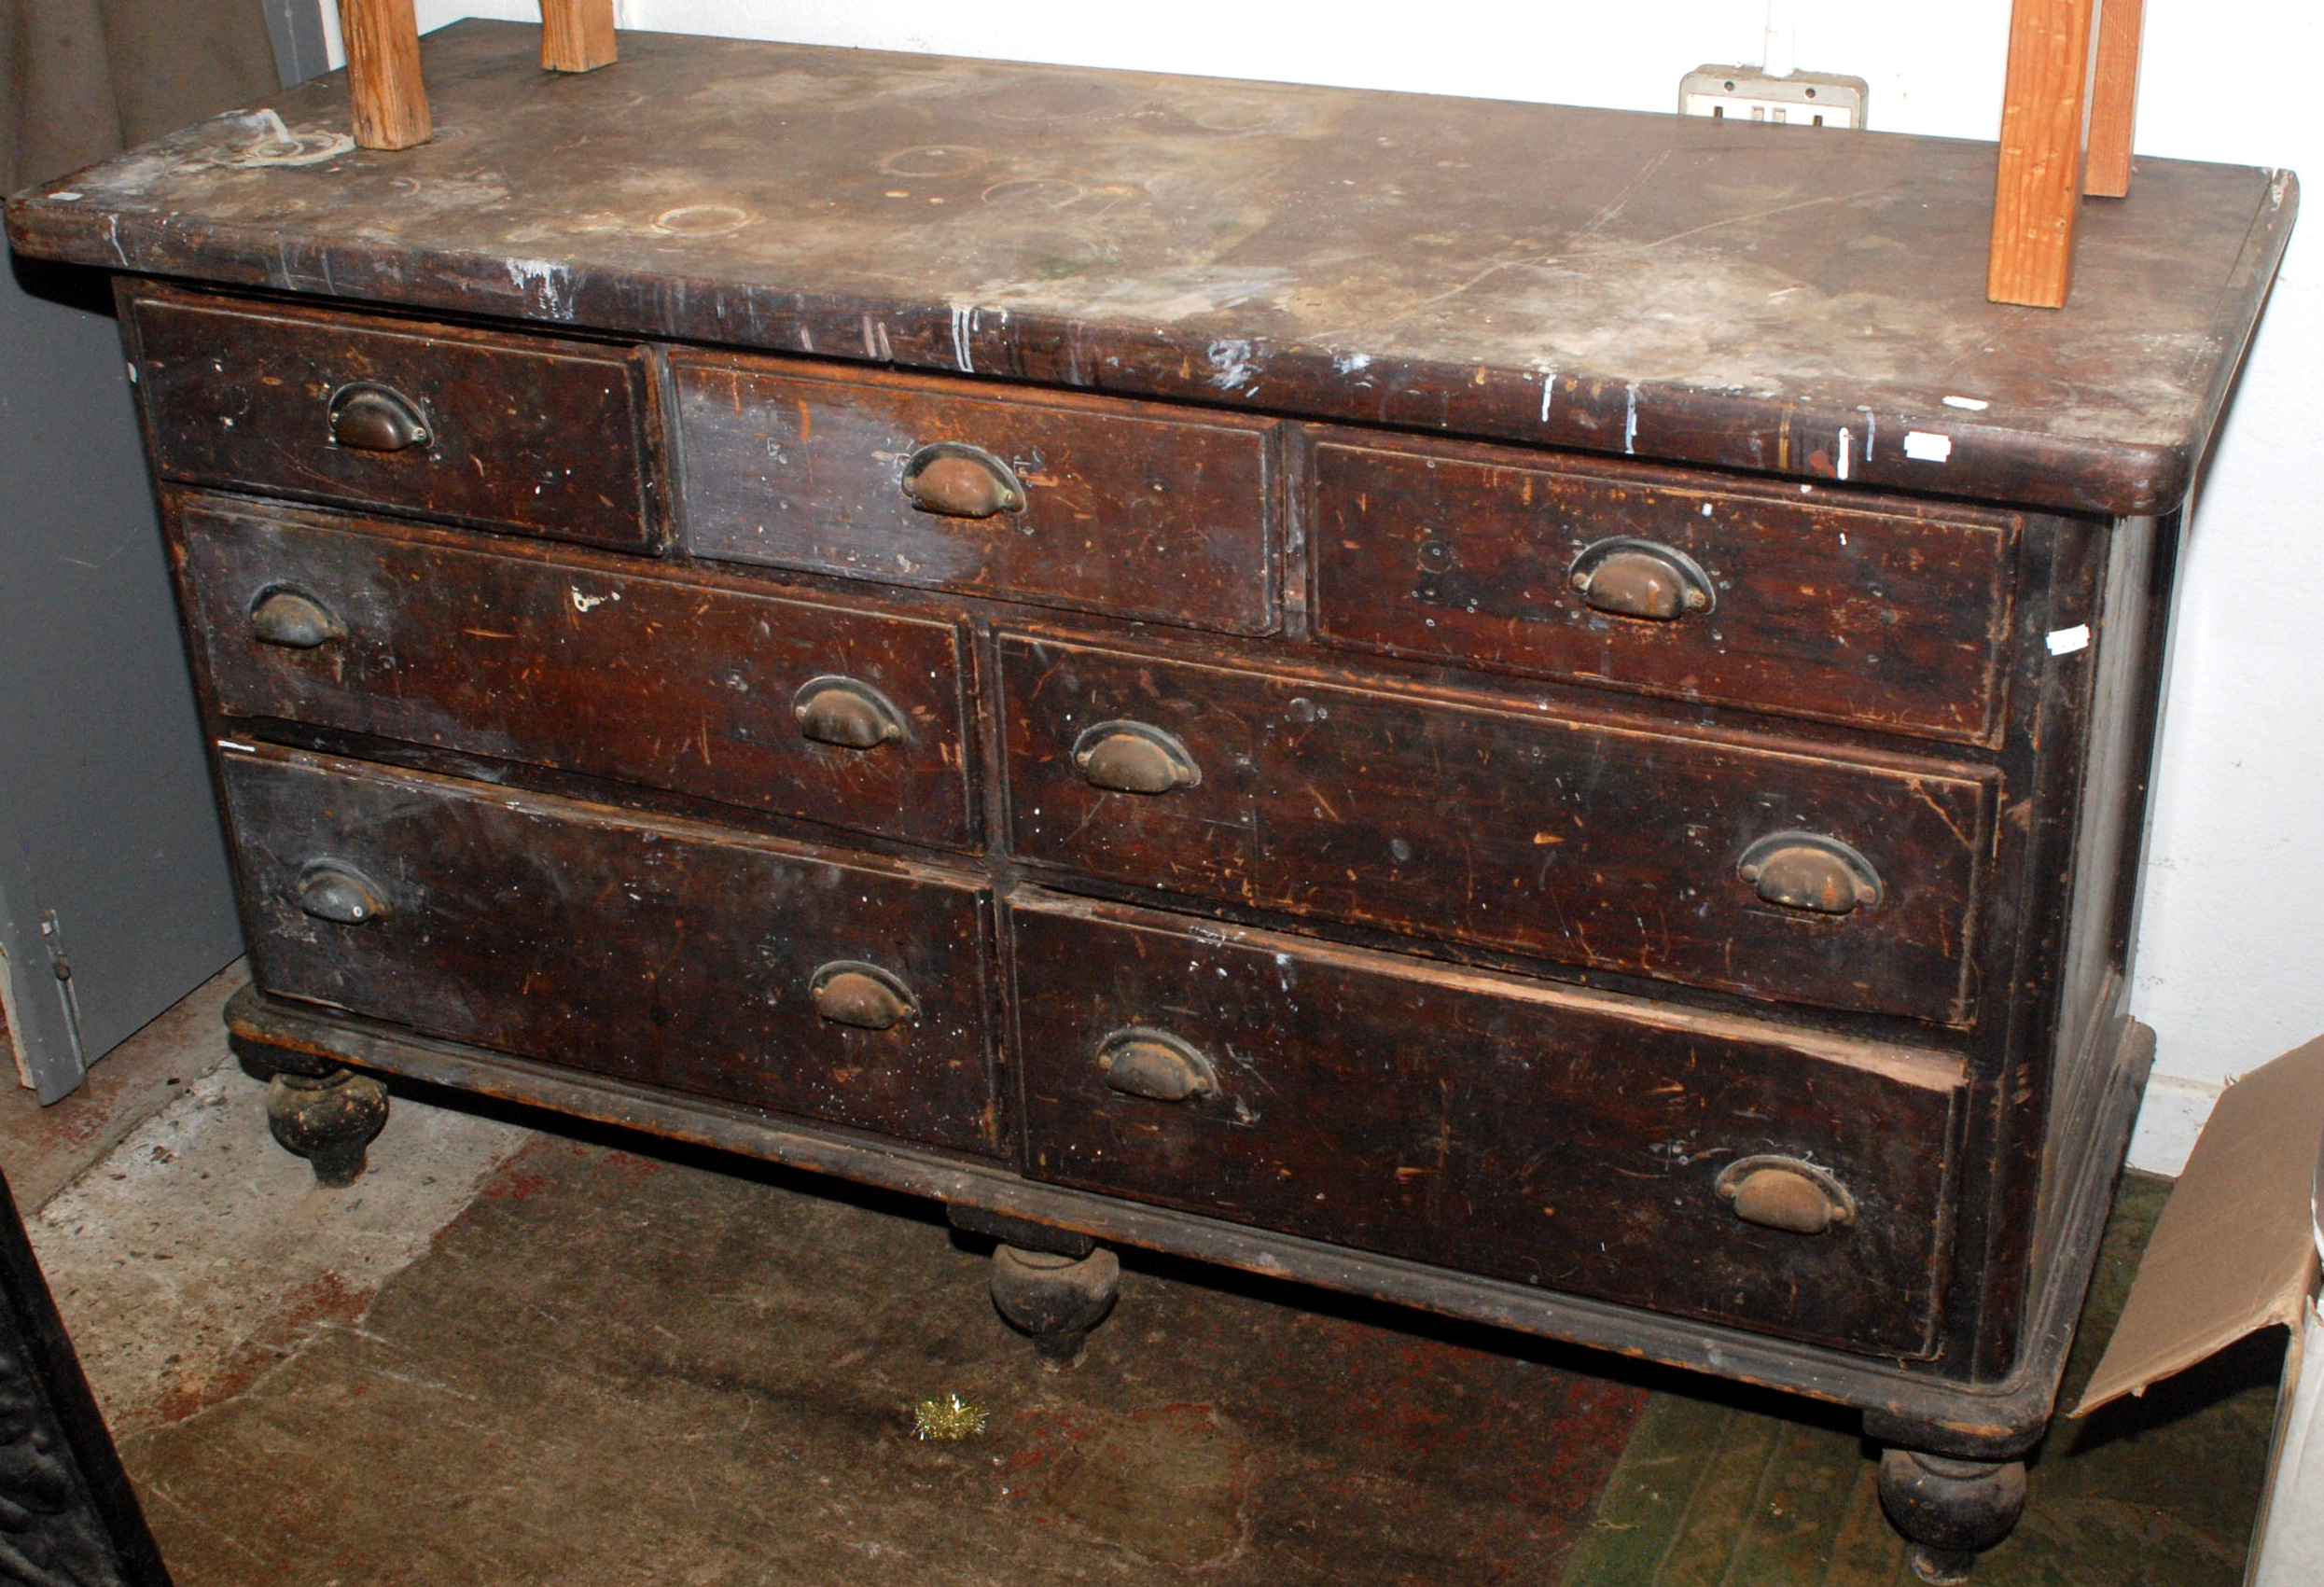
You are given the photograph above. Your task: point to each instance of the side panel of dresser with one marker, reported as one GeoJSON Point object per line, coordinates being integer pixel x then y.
{"type": "Point", "coordinates": [2054, 1097]}
{"type": "Point", "coordinates": [2062, 1150]}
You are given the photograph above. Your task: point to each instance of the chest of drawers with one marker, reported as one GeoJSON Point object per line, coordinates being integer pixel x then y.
{"type": "Point", "coordinates": [1444, 700]}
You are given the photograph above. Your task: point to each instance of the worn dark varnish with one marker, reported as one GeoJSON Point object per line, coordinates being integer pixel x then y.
{"type": "Point", "coordinates": [1669, 287]}
{"type": "Point", "coordinates": [1574, 840]}
{"type": "Point", "coordinates": [1537, 1135]}
{"type": "Point", "coordinates": [645, 949]}
{"type": "Point", "coordinates": [241, 397]}
{"type": "Point", "coordinates": [1275, 423]}
{"type": "Point", "coordinates": [1128, 508]}
{"type": "Point", "coordinates": [582, 664]}
{"type": "Point", "coordinates": [1893, 621]}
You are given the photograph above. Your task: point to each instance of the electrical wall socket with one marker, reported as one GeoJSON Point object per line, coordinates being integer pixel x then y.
{"type": "Point", "coordinates": [1747, 93]}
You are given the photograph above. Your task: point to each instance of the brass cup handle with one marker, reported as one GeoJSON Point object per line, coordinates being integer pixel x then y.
{"type": "Point", "coordinates": [1626, 577]}
{"type": "Point", "coordinates": [1134, 758]}
{"type": "Point", "coordinates": [293, 621]}
{"type": "Point", "coordinates": [1786, 1193]}
{"type": "Point", "coordinates": [340, 894]}
{"type": "Point", "coordinates": [370, 417]}
{"type": "Point", "coordinates": [957, 481]}
{"type": "Point", "coordinates": [847, 713]}
{"type": "Point", "coordinates": [1156, 1064]}
{"type": "Point", "coordinates": [1809, 872]}
{"type": "Point", "coordinates": [848, 991]}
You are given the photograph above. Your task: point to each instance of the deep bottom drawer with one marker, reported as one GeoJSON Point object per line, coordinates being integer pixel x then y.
{"type": "Point", "coordinates": [1566, 1139]}
{"type": "Point", "coordinates": [666, 953]}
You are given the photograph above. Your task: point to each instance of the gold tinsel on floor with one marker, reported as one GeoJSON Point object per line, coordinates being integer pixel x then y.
{"type": "Point", "coordinates": [947, 1419]}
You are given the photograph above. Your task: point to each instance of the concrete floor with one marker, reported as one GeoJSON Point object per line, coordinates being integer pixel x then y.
{"type": "Point", "coordinates": [42, 1147]}
{"type": "Point", "coordinates": [513, 1356]}
{"type": "Point", "coordinates": [186, 1252]}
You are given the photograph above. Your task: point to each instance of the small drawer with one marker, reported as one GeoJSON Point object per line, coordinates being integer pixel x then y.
{"type": "Point", "coordinates": [848, 718]}
{"type": "Point", "coordinates": [1589, 1144]}
{"type": "Point", "coordinates": [1639, 580]}
{"type": "Point", "coordinates": [666, 953]}
{"type": "Point", "coordinates": [538, 435]}
{"type": "Point", "coordinates": [1717, 861]}
{"type": "Point", "coordinates": [1128, 508]}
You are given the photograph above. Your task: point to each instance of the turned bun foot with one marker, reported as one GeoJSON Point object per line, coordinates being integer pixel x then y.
{"type": "Point", "coordinates": [328, 1119]}
{"type": "Point", "coordinates": [1056, 1299]}
{"type": "Point", "coordinates": [1950, 1510]}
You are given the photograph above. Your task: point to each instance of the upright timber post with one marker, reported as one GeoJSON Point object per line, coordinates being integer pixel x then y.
{"type": "Point", "coordinates": [2114, 99]}
{"type": "Point", "coordinates": [2038, 189]}
{"type": "Point", "coordinates": [384, 73]}
{"type": "Point", "coordinates": [576, 35]}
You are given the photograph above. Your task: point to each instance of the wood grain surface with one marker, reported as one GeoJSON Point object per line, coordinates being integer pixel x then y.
{"type": "Point", "coordinates": [576, 35]}
{"type": "Point", "coordinates": [547, 438]}
{"type": "Point", "coordinates": [2037, 198]}
{"type": "Point", "coordinates": [1130, 509]}
{"type": "Point", "coordinates": [2114, 99]}
{"type": "Point", "coordinates": [1614, 847]}
{"type": "Point", "coordinates": [390, 101]}
{"type": "Point", "coordinates": [1486, 1123]}
{"type": "Point", "coordinates": [1889, 618]}
{"type": "Point", "coordinates": [1654, 285]}
{"type": "Point", "coordinates": [584, 665]}
{"type": "Point", "coordinates": [667, 952]}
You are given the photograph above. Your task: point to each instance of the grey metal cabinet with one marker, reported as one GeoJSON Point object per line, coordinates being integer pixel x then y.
{"type": "Point", "coordinates": [114, 897]}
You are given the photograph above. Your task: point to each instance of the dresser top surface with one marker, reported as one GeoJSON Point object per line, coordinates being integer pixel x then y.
{"type": "Point", "coordinates": [1793, 301]}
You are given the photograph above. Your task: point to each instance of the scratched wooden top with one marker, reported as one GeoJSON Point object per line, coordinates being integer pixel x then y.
{"type": "Point", "coordinates": [1788, 300]}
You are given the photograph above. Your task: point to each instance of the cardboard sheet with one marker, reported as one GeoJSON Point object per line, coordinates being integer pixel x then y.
{"type": "Point", "coordinates": [2235, 1249]}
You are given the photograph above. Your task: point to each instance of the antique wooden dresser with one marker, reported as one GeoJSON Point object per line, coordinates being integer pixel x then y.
{"type": "Point", "coordinates": [1539, 713]}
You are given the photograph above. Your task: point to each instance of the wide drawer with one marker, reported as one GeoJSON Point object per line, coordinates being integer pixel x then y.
{"type": "Point", "coordinates": [1587, 1144]}
{"type": "Point", "coordinates": [836, 716]}
{"type": "Point", "coordinates": [1608, 845]}
{"type": "Point", "coordinates": [666, 953]}
{"type": "Point", "coordinates": [1789, 604]}
{"type": "Point", "coordinates": [535, 435]}
{"type": "Point", "coordinates": [1127, 508]}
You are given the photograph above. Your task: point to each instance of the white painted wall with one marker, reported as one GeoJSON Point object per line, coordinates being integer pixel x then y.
{"type": "Point", "coordinates": [2229, 970]}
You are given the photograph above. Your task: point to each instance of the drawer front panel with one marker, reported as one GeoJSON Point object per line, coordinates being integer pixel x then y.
{"type": "Point", "coordinates": [542, 437]}
{"type": "Point", "coordinates": [1124, 508]}
{"type": "Point", "coordinates": [1889, 621]}
{"type": "Point", "coordinates": [1613, 847]}
{"type": "Point", "coordinates": [635, 677]}
{"type": "Point", "coordinates": [665, 953]}
{"type": "Point", "coordinates": [1479, 1122]}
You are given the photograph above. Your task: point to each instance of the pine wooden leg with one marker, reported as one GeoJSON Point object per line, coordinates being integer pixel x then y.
{"type": "Point", "coordinates": [576, 35]}
{"type": "Point", "coordinates": [384, 73]}
{"type": "Point", "coordinates": [2114, 99]}
{"type": "Point", "coordinates": [2037, 190]}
